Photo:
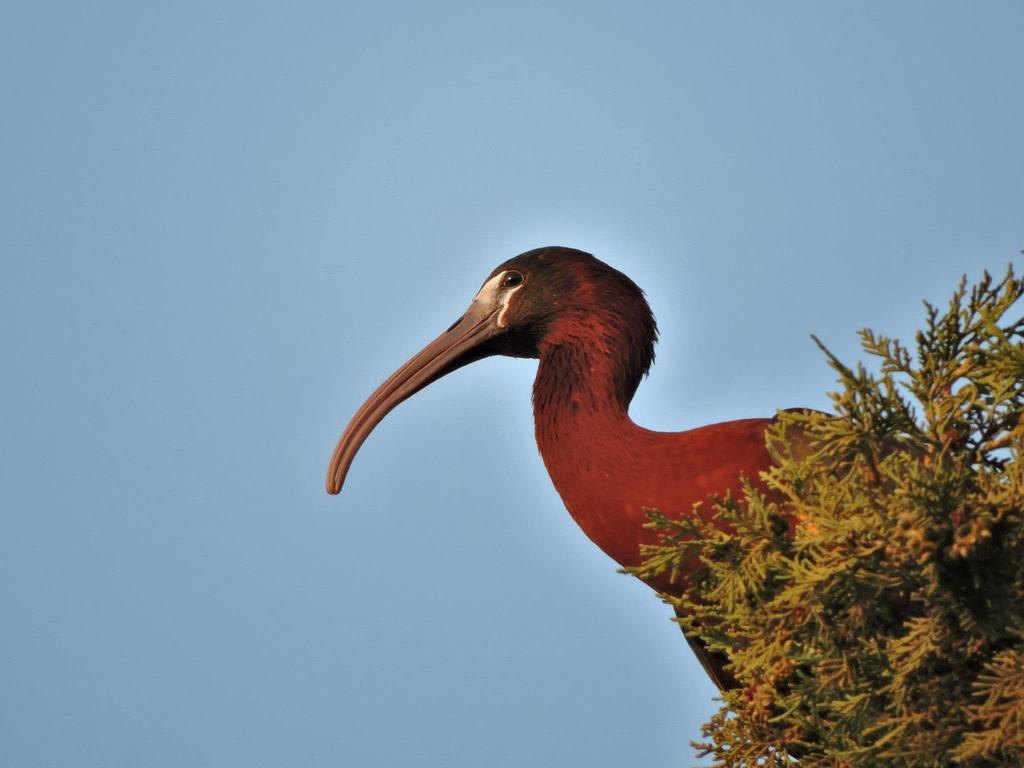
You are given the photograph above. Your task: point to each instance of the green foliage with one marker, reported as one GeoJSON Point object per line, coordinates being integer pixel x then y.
{"type": "Point", "coordinates": [869, 590]}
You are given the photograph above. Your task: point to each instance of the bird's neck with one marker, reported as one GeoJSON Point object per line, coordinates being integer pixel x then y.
{"type": "Point", "coordinates": [577, 387]}
{"type": "Point", "coordinates": [591, 363]}
{"type": "Point", "coordinates": [588, 442]}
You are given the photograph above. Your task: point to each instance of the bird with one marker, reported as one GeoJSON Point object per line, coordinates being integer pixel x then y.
{"type": "Point", "coordinates": [593, 333]}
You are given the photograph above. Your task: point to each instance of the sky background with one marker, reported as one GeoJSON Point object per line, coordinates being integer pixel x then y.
{"type": "Point", "coordinates": [222, 225]}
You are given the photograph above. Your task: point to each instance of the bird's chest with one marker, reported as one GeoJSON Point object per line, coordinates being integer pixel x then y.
{"type": "Point", "coordinates": [609, 485]}
{"type": "Point", "coordinates": [609, 495]}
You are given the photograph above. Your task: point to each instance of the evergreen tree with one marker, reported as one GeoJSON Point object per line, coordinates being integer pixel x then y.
{"type": "Point", "coordinates": [869, 591]}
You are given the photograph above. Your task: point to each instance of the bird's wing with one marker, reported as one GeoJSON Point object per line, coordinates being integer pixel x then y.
{"type": "Point", "coordinates": [799, 440]}
{"type": "Point", "coordinates": [713, 662]}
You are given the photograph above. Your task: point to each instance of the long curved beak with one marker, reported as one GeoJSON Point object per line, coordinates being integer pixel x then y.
{"type": "Point", "coordinates": [461, 344]}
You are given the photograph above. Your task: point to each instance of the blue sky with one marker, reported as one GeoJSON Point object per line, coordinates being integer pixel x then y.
{"type": "Point", "coordinates": [222, 226]}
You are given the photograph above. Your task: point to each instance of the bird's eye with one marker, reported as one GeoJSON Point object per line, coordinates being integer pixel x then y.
{"type": "Point", "coordinates": [512, 279]}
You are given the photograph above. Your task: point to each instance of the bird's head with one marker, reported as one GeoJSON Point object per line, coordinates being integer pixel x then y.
{"type": "Point", "coordinates": [536, 302]}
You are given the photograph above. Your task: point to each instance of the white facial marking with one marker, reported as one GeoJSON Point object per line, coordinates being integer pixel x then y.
{"type": "Point", "coordinates": [506, 297]}
{"type": "Point", "coordinates": [493, 298]}
{"type": "Point", "coordinates": [487, 296]}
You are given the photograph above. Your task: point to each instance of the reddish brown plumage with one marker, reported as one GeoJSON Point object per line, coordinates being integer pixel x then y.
{"type": "Point", "coordinates": [607, 469]}
{"type": "Point", "coordinates": [594, 335]}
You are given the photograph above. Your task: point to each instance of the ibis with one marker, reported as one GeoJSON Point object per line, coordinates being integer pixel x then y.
{"type": "Point", "coordinates": [593, 333]}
